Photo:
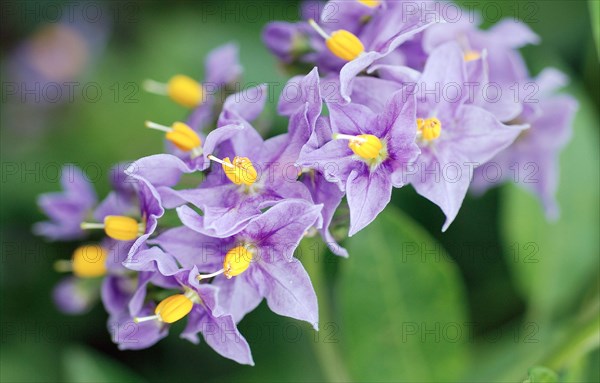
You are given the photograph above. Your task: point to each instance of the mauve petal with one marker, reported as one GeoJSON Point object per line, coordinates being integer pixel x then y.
{"type": "Point", "coordinates": [152, 259]}
{"type": "Point", "coordinates": [278, 231]}
{"type": "Point", "coordinates": [245, 106]}
{"type": "Point", "coordinates": [129, 335]}
{"type": "Point", "coordinates": [288, 290]}
{"type": "Point", "coordinates": [512, 34]}
{"type": "Point", "coordinates": [353, 119]}
{"type": "Point", "coordinates": [116, 292]}
{"type": "Point", "coordinates": [443, 73]}
{"type": "Point", "coordinates": [368, 194]}
{"type": "Point", "coordinates": [241, 294]}
{"type": "Point", "coordinates": [74, 296]}
{"type": "Point", "coordinates": [223, 65]}
{"type": "Point", "coordinates": [447, 190]}
{"type": "Point", "coordinates": [193, 249]}
{"type": "Point", "coordinates": [221, 334]}
{"type": "Point", "coordinates": [330, 196]}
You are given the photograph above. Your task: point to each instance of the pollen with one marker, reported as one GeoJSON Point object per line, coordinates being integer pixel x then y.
{"type": "Point", "coordinates": [370, 3]}
{"type": "Point", "coordinates": [183, 137]}
{"type": "Point", "coordinates": [237, 260]}
{"type": "Point", "coordinates": [89, 261]}
{"type": "Point", "coordinates": [121, 228]}
{"type": "Point", "coordinates": [471, 55]}
{"type": "Point", "coordinates": [173, 308]}
{"type": "Point", "coordinates": [429, 129]}
{"type": "Point", "coordinates": [341, 43]}
{"type": "Point", "coordinates": [240, 171]}
{"type": "Point", "coordinates": [366, 146]}
{"type": "Point", "coordinates": [185, 91]}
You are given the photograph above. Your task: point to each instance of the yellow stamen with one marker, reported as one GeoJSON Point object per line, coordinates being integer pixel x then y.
{"type": "Point", "coordinates": [240, 171]}
{"type": "Point", "coordinates": [429, 129]}
{"type": "Point", "coordinates": [471, 55]}
{"type": "Point", "coordinates": [237, 260]}
{"type": "Point", "coordinates": [366, 146]}
{"type": "Point", "coordinates": [370, 3]}
{"type": "Point", "coordinates": [118, 227]}
{"type": "Point", "coordinates": [181, 135]}
{"type": "Point", "coordinates": [182, 89]}
{"type": "Point", "coordinates": [89, 261]}
{"type": "Point", "coordinates": [170, 309]}
{"type": "Point", "coordinates": [341, 43]}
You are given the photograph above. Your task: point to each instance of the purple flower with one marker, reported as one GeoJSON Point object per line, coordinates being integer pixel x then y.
{"type": "Point", "coordinates": [255, 263]}
{"type": "Point", "coordinates": [497, 47]}
{"type": "Point", "coordinates": [454, 136]}
{"type": "Point", "coordinates": [368, 155]}
{"type": "Point", "coordinates": [258, 175]}
{"type": "Point", "coordinates": [149, 323]}
{"type": "Point", "coordinates": [354, 37]}
{"type": "Point", "coordinates": [67, 209]}
{"type": "Point", "coordinates": [536, 149]}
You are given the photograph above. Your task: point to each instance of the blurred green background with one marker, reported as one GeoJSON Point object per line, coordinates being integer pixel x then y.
{"type": "Point", "coordinates": [500, 292]}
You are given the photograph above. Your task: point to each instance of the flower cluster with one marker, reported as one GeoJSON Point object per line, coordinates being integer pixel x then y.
{"type": "Point", "coordinates": [410, 96]}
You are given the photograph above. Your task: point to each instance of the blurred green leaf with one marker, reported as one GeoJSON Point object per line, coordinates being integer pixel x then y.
{"type": "Point", "coordinates": [82, 364]}
{"type": "Point", "coordinates": [595, 15]}
{"type": "Point", "coordinates": [402, 305]}
{"type": "Point", "coordinates": [540, 374]}
{"type": "Point", "coordinates": [553, 262]}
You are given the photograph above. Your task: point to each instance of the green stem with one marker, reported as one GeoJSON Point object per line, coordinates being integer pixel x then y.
{"type": "Point", "coordinates": [328, 353]}
{"type": "Point", "coordinates": [583, 340]}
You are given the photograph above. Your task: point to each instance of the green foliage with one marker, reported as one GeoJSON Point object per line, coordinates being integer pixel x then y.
{"type": "Point", "coordinates": [81, 364]}
{"type": "Point", "coordinates": [402, 306]}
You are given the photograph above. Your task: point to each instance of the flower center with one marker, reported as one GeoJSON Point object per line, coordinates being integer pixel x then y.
{"type": "Point", "coordinates": [429, 129]}
{"type": "Point", "coordinates": [366, 146]}
{"type": "Point", "coordinates": [471, 55]}
{"type": "Point", "coordinates": [182, 89]}
{"type": "Point", "coordinates": [237, 260]}
{"type": "Point", "coordinates": [181, 135]}
{"type": "Point", "coordinates": [341, 43]}
{"type": "Point", "coordinates": [118, 227]}
{"type": "Point", "coordinates": [173, 308]}
{"type": "Point", "coordinates": [240, 171]}
{"type": "Point", "coordinates": [88, 261]}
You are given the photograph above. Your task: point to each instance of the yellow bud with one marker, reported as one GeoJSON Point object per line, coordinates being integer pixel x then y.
{"type": "Point", "coordinates": [173, 308]}
{"type": "Point", "coordinates": [237, 260]}
{"type": "Point", "coordinates": [370, 3]}
{"type": "Point", "coordinates": [89, 261]}
{"type": "Point", "coordinates": [242, 172]}
{"type": "Point", "coordinates": [430, 128]}
{"type": "Point", "coordinates": [345, 45]}
{"type": "Point", "coordinates": [185, 91]}
{"type": "Point", "coordinates": [366, 146]}
{"type": "Point", "coordinates": [183, 137]}
{"type": "Point", "coordinates": [471, 56]}
{"type": "Point", "coordinates": [121, 228]}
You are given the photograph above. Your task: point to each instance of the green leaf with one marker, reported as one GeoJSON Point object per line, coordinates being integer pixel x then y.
{"type": "Point", "coordinates": [553, 262]}
{"type": "Point", "coordinates": [82, 364]}
{"type": "Point", "coordinates": [402, 305]}
{"type": "Point", "coordinates": [595, 15]}
{"type": "Point", "coordinates": [540, 374]}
